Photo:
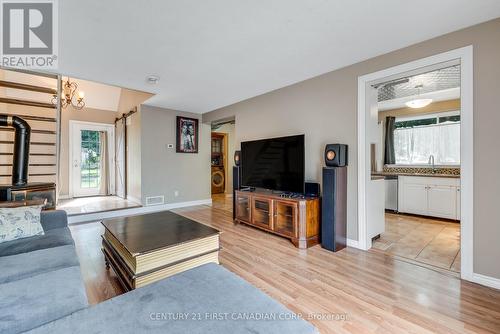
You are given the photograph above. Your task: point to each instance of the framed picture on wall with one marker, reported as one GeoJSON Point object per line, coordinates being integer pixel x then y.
{"type": "Point", "coordinates": [187, 135]}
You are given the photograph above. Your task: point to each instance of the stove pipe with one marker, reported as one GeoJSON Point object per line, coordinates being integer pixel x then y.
{"type": "Point", "coordinates": [21, 148]}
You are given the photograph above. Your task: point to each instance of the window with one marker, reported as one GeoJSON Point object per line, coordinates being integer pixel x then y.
{"type": "Point", "coordinates": [91, 159]}
{"type": "Point", "coordinates": [416, 139]}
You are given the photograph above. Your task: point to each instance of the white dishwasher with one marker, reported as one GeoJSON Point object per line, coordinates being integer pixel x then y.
{"type": "Point", "coordinates": [391, 192]}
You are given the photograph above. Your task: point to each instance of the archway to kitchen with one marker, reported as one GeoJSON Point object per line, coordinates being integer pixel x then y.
{"type": "Point", "coordinates": [415, 175]}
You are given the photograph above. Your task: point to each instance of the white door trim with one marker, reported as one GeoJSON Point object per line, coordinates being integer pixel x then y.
{"type": "Point", "coordinates": [110, 128]}
{"type": "Point", "coordinates": [465, 56]}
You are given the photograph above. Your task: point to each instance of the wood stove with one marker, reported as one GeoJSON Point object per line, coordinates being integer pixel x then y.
{"type": "Point", "coordinates": [20, 189]}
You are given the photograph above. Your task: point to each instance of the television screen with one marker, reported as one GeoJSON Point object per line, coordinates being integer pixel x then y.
{"type": "Point", "coordinates": [276, 163]}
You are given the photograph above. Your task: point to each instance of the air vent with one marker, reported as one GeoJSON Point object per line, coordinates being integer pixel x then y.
{"type": "Point", "coordinates": [155, 200]}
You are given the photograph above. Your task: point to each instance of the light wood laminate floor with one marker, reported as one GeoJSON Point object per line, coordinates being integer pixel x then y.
{"type": "Point", "coordinates": [377, 293]}
{"type": "Point", "coordinates": [425, 240]}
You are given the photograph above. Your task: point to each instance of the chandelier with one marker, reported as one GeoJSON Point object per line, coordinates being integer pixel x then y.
{"type": "Point", "coordinates": [69, 91]}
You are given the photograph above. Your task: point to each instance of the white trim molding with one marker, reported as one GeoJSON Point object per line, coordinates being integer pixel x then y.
{"type": "Point", "coordinates": [97, 216]}
{"type": "Point", "coordinates": [352, 243]}
{"type": "Point", "coordinates": [110, 129]}
{"type": "Point", "coordinates": [489, 281]}
{"type": "Point", "coordinates": [464, 56]}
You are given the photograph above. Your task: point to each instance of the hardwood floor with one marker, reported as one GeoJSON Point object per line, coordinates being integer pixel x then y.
{"type": "Point", "coordinates": [369, 291]}
{"type": "Point", "coordinates": [425, 240]}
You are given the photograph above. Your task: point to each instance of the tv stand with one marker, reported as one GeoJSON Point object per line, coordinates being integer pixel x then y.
{"type": "Point", "coordinates": [296, 218]}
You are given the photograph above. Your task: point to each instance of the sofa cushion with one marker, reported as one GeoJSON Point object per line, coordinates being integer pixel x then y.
{"type": "Point", "coordinates": [21, 222]}
{"type": "Point", "coordinates": [202, 294]}
{"type": "Point", "coordinates": [53, 219]}
{"type": "Point", "coordinates": [52, 238]}
{"type": "Point", "coordinates": [24, 265]}
{"type": "Point", "coordinates": [34, 301]}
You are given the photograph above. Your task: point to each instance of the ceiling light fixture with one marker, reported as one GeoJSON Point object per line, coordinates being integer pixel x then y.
{"type": "Point", "coordinates": [69, 90]}
{"type": "Point", "coordinates": [418, 103]}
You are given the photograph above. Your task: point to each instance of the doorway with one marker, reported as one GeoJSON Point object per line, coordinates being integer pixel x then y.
{"type": "Point", "coordinates": [370, 207]}
{"type": "Point", "coordinates": [92, 166]}
{"type": "Point", "coordinates": [221, 163]}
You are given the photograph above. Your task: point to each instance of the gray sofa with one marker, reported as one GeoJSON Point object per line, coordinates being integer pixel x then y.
{"type": "Point", "coordinates": [41, 291]}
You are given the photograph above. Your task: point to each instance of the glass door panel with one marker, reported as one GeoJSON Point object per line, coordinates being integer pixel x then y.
{"type": "Point", "coordinates": [284, 219]}
{"type": "Point", "coordinates": [262, 214]}
{"type": "Point", "coordinates": [243, 208]}
{"type": "Point", "coordinates": [90, 161]}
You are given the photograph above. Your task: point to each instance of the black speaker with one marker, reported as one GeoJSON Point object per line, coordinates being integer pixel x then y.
{"type": "Point", "coordinates": [312, 189]}
{"type": "Point", "coordinates": [236, 185]}
{"type": "Point", "coordinates": [336, 155]}
{"type": "Point", "coordinates": [237, 158]}
{"type": "Point", "coordinates": [334, 208]}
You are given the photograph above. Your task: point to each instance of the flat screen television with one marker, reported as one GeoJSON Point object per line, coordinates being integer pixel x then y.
{"type": "Point", "coordinates": [275, 163]}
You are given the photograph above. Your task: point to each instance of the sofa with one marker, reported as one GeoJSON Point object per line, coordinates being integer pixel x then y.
{"type": "Point", "coordinates": [41, 291]}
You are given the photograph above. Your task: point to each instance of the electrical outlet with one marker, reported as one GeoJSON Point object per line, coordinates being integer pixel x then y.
{"type": "Point", "coordinates": [170, 145]}
{"type": "Point", "coordinates": [176, 193]}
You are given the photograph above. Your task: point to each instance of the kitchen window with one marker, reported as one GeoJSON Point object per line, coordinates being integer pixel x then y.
{"type": "Point", "coordinates": [416, 139]}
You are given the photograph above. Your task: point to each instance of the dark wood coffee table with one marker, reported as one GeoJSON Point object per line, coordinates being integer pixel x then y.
{"type": "Point", "coordinates": [146, 248]}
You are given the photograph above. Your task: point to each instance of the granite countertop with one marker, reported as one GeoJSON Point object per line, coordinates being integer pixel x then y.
{"type": "Point", "coordinates": [414, 174]}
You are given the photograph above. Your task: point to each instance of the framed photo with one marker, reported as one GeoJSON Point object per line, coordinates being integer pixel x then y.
{"type": "Point", "coordinates": [186, 135]}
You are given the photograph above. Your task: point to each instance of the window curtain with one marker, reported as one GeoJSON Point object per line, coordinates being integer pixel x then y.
{"type": "Point", "coordinates": [415, 145]}
{"type": "Point", "coordinates": [104, 163]}
{"type": "Point", "coordinates": [389, 156]}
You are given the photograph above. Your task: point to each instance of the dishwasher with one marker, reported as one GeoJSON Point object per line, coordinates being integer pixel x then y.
{"type": "Point", "coordinates": [391, 192]}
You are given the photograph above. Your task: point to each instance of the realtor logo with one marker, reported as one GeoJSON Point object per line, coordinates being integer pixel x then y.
{"type": "Point", "coordinates": [29, 34]}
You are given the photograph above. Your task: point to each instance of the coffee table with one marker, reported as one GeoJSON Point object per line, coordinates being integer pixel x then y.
{"type": "Point", "coordinates": [146, 248]}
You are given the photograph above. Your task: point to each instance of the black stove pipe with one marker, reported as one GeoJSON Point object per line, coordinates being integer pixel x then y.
{"type": "Point", "coordinates": [21, 148]}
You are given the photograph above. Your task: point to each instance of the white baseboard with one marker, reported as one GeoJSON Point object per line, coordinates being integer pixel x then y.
{"type": "Point", "coordinates": [64, 197]}
{"type": "Point", "coordinates": [134, 211]}
{"type": "Point", "coordinates": [488, 281]}
{"type": "Point", "coordinates": [352, 243]}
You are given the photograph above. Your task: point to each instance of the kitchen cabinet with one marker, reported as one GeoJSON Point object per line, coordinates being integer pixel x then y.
{"type": "Point", "coordinates": [442, 201]}
{"type": "Point", "coordinates": [430, 196]}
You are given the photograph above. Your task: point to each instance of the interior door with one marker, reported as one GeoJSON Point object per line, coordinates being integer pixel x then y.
{"type": "Point", "coordinates": [86, 159]}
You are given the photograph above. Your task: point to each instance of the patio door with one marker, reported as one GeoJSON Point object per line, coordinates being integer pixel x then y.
{"type": "Point", "coordinates": [91, 164]}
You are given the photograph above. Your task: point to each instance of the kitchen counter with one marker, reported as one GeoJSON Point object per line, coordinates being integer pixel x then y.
{"type": "Point", "coordinates": [414, 174]}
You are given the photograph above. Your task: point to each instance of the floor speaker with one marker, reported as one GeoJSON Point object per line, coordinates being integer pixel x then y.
{"type": "Point", "coordinates": [334, 209]}
{"type": "Point", "coordinates": [236, 186]}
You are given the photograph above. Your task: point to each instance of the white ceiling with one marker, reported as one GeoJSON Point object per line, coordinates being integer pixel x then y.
{"type": "Point", "coordinates": [210, 54]}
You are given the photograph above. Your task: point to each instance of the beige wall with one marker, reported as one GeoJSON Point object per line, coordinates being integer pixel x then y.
{"type": "Point", "coordinates": [134, 159]}
{"type": "Point", "coordinates": [324, 108]}
{"type": "Point", "coordinates": [86, 115]}
{"type": "Point", "coordinates": [129, 99]}
{"type": "Point", "coordinates": [163, 170]}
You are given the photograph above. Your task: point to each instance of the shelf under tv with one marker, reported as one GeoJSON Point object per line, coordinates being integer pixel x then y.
{"type": "Point", "coordinates": [294, 218]}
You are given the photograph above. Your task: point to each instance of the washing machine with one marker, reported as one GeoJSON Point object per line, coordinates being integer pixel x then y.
{"type": "Point", "coordinates": [218, 180]}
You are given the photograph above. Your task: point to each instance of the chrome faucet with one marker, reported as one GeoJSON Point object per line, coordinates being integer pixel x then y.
{"type": "Point", "coordinates": [431, 162]}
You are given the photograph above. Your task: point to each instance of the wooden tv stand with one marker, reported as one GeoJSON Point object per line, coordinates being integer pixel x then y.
{"type": "Point", "coordinates": [295, 218]}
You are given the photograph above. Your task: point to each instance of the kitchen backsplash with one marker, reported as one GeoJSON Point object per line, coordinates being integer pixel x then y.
{"type": "Point", "coordinates": [423, 170]}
